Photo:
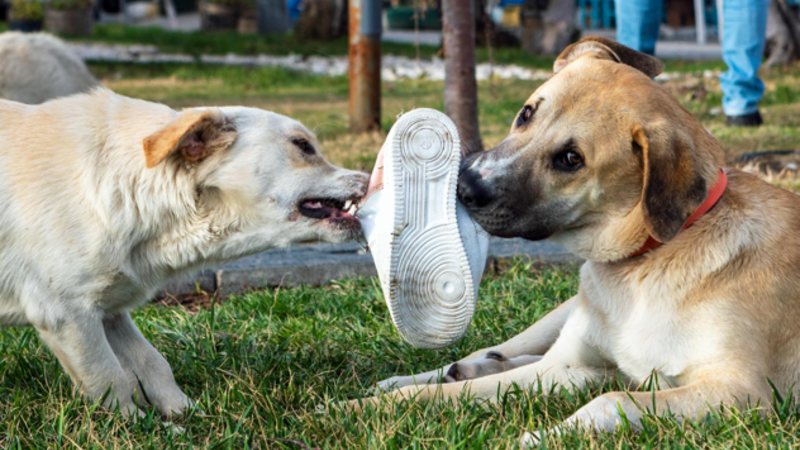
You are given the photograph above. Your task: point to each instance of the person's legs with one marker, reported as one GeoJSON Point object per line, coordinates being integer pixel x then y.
{"type": "Point", "coordinates": [637, 24]}
{"type": "Point", "coordinates": [743, 35]}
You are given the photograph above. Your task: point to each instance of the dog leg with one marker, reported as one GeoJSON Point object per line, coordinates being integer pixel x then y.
{"type": "Point", "coordinates": [605, 413]}
{"type": "Point", "coordinates": [79, 343]}
{"type": "Point", "coordinates": [146, 365]}
{"type": "Point", "coordinates": [490, 387]}
{"type": "Point", "coordinates": [534, 341]}
{"type": "Point", "coordinates": [570, 363]}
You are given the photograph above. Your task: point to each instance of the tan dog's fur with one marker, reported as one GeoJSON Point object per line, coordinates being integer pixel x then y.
{"type": "Point", "coordinates": [712, 312]}
{"type": "Point", "coordinates": [36, 67]}
{"type": "Point", "coordinates": [103, 198]}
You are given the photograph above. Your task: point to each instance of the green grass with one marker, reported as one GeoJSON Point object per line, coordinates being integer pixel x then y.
{"type": "Point", "coordinates": [259, 363]}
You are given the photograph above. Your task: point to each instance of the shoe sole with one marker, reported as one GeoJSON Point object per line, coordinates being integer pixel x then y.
{"type": "Point", "coordinates": [431, 296]}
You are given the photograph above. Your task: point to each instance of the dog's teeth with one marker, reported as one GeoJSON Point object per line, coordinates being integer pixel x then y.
{"type": "Point", "coordinates": [347, 205]}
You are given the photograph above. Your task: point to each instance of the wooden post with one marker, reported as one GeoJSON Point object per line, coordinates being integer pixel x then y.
{"type": "Point", "coordinates": [365, 65]}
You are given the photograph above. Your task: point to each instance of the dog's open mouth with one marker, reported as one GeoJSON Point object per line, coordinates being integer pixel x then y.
{"type": "Point", "coordinates": [334, 210]}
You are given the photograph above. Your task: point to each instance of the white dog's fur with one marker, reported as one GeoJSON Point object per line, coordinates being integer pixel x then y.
{"type": "Point", "coordinates": [88, 231]}
{"type": "Point", "coordinates": [36, 67]}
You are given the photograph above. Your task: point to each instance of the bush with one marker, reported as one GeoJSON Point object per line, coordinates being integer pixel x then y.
{"type": "Point", "coordinates": [26, 10]}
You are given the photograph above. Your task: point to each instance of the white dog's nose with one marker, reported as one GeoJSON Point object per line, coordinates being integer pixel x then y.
{"type": "Point", "coordinates": [361, 181]}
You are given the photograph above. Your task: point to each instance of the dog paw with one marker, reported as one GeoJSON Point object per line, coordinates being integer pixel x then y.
{"type": "Point", "coordinates": [491, 363]}
{"type": "Point", "coordinates": [131, 411]}
{"type": "Point", "coordinates": [455, 373]}
{"type": "Point", "coordinates": [127, 407]}
{"type": "Point", "coordinates": [175, 429]}
{"type": "Point", "coordinates": [387, 385]}
{"type": "Point", "coordinates": [172, 404]}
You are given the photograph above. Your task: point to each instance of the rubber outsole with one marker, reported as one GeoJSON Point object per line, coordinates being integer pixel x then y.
{"type": "Point", "coordinates": [431, 298]}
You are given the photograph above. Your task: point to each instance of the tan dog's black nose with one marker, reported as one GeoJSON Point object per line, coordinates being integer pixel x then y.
{"type": "Point", "coordinates": [472, 192]}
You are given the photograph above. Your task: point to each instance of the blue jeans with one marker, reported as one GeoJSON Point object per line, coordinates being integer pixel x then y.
{"type": "Point", "coordinates": [744, 31]}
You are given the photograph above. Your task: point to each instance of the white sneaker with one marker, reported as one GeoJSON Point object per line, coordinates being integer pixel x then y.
{"type": "Point", "coordinates": [428, 252]}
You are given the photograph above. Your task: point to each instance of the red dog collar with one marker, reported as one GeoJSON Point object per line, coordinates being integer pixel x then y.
{"type": "Point", "coordinates": [711, 199]}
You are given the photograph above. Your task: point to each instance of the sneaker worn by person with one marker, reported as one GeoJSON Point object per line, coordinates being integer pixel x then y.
{"type": "Point", "coordinates": [747, 120]}
{"type": "Point", "coordinates": [428, 252]}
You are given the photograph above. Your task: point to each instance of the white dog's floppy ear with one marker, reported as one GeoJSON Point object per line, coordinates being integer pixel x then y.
{"type": "Point", "coordinates": [196, 134]}
{"type": "Point", "coordinates": [603, 48]}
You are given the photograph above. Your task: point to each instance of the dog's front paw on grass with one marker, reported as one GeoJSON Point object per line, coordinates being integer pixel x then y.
{"type": "Point", "coordinates": [177, 405]}
{"type": "Point", "coordinates": [384, 386]}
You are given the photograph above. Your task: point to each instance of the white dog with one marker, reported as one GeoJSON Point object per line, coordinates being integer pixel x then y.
{"type": "Point", "coordinates": [103, 198]}
{"type": "Point", "coordinates": [36, 67]}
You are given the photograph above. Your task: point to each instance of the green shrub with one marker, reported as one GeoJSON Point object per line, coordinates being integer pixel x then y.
{"type": "Point", "coordinates": [26, 10]}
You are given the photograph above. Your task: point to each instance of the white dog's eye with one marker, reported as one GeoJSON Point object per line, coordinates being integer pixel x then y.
{"type": "Point", "coordinates": [304, 145]}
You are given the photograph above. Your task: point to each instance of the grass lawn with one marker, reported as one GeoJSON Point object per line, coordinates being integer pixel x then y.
{"type": "Point", "coordinates": [259, 363]}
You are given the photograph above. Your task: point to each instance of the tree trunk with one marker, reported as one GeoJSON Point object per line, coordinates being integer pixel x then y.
{"type": "Point", "coordinates": [549, 31]}
{"type": "Point", "coordinates": [783, 35]}
{"type": "Point", "coordinates": [460, 86]}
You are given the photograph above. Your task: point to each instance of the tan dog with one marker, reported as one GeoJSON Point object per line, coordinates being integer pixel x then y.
{"type": "Point", "coordinates": [36, 67]}
{"type": "Point", "coordinates": [105, 197]}
{"type": "Point", "coordinates": [600, 159]}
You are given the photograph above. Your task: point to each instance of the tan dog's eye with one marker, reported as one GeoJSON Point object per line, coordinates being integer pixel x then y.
{"type": "Point", "coordinates": [568, 159]}
{"type": "Point", "coordinates": [572, 159]}
{"type": "Point", "coordinates": [525, 115]}
{"type": "Point", "coordinates": [304, 145]}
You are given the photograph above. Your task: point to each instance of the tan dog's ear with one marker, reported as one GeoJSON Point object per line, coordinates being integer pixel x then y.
{"type": "Point", "coordinates": [196, 134]}
{"type": "Point", "coordinates": [602, 48]}
{"type": "Point", "coordinates": [673, 185]}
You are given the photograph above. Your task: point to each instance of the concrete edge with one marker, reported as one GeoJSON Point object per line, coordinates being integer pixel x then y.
{"type": "Point", "coordinates": [228, 281]}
